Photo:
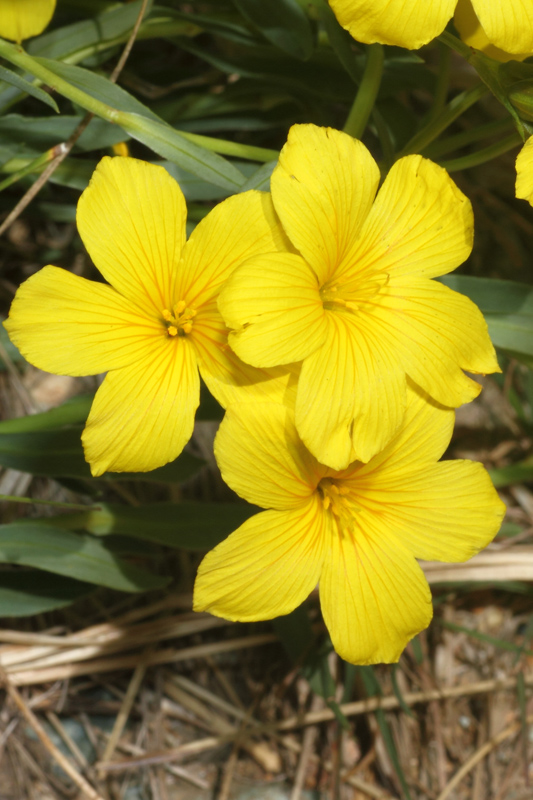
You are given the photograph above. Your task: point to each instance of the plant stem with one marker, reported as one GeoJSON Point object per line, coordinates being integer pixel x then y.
{"type": "Point", "coordinates": [9, 498]}
{"type": "Point", "coordinates": [455, 44]}
{"type": "Point", "coordinates": [448, 115]}
{"type": "Point", "coordinates": [484, 155]}
{"type": "Point", "coordinates": [443, 82]}
{"type": "Point", "coordinates": [459, 140]}
{"type": "Point", "coordinates": [367, 92]}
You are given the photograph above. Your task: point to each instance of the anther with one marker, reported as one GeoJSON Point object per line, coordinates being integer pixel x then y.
{"type": "Point", "coordinates": [172, 330]}
{"type": "Point", "coordinates": [179, 308]}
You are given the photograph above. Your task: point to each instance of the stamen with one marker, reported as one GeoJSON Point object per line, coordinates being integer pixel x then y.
{"type": "Point", "coordinates": [178, 322]}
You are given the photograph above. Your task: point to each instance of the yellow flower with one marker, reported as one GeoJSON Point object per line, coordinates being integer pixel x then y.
{"type": "Point", "coordinates": [508, 24]}
{"type": "Point", "coordinates": [157, 322]}
{"type": "Point", "coordinates": [20, 19]}
{"type": "Point", "coordinates": [524, 172]}
{"type": "Point", "coordinates": [356, 532]}
{"type": "Point", "coordinates": [472, 33]}
{"type": "Point", "coordinates": [358, 306]}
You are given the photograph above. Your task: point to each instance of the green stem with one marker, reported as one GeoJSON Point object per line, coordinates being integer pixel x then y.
{"type": "Point", "coordinates": [367, 92]}
{"type": "Point", "coordinates": [16, 55]}
{"type": "Point", "coordinates": [484, 155]}
{"type": "Point", "coordinates": [443, 82]}
{"type": "Point", "coordinates": [32, 166]}
{"type": "Point", "coordinates": [385, 140]}
{"type": "Point", "coordinates": [465, 138]}
{"type": "Point", "coordinates": [9, 498]}
{"type": "Point", "coordinates": [455, 44]}
{"type": "Point", "coordinates": [226, 148]}
{"type": "Point", "coordinates": [434, 127]}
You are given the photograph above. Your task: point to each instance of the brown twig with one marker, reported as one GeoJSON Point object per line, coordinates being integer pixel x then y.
{"type": "Point", "coordinates": [56, 754]}
{"type": "Point", "coordinates": [483, 751]}
{"type": "Point", "coordinates": [62, 150]}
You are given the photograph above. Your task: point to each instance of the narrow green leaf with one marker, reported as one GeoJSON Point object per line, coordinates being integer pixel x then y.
{"type": "Point", "coordinates": [25, 592]}
{"type": "Point", "coordinates": [73, 555]}
{"type": "Point", "coordinates": [45, 132]}
{"type": "Point", "coordinates": [190, 526]}
{"type": "Point", "coordinates": [12, 78]}
{"type": "Point", "coordinates": [73, 411]}
{"type": "Point", "coordinates": [282, 22]}
{"type": "Point", "coordinates": [119, 106]}
{"type": "Point", "coordinates": [514, 473]}
{"type": "Point", "coordinates": [374, 689]}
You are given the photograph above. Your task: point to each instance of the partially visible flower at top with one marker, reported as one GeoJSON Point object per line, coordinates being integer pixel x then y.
{"type": "Point", "coordinates": [472, 33]}
{"type": "Point", "coordinates": [20, 19]}
{"type": "Point", "coordinates": [358, 306]}
{"type": "Point", "coordinates": [157, 323]}
{"type": "Point", "coordinates": [524, 172]}
{"type": "Point", "coordinates": [355, 532]}
{"type": "Point", "coordinates": [508, 24]}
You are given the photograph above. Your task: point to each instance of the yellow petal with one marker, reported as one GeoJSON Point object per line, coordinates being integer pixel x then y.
{"type": "Point", "coordinates": [228, 378]}
{"type": "Point", "coordinates": [373, 594]}
{"type": "Point", "coordinates": [436, 333]}
{"type": "Point", "coordinates": [273, 469]}
{"type": "Point", "coordinates": [351, 395]}
{"type": "Point", "coordinates": [323, 188]}
{"type": "Point", "coordinates": [406, 23]}
{"type": "Point", "coordinates": [132, 219]}
{"type": "Point", "coordinates": [524, 172]}
{"type": "Point", "coordinates": [71, 326]}
{"type": "Point", "coordinates": [507, 23]}
{"type": "Point", "coordinates": [422, 438]}
{"type": "Point", "coordinates": [266, 568]}
{"type": "Point", "coordinates": [274, 303]}
{"type": "Point", "coordinates": [143, 415]}
{"type": "Point", "coordinates": [20, 19]}
{"type": "Point", "coordinates": [472, 34]}
{"type": "Point", "coordinates": [445, 512]}
{"type": "Point", "coordinates": [420, 224]}
{"type": "Point", "coordinates": [236, 229]}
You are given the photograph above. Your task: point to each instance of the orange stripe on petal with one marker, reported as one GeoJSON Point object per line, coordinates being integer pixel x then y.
{"type": "Point", "coordinates": [143, 415]}
{"type": "Point", "coordinates": [266, 568]}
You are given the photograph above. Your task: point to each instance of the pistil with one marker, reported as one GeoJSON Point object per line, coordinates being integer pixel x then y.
{"type": "Point", "coordinates": [179, 320]}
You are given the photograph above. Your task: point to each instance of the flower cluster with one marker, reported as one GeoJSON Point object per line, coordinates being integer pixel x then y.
{"type": "Point", "coordinates": [506, 25]}
{"type": "Point", "coordinates": [313, 316]}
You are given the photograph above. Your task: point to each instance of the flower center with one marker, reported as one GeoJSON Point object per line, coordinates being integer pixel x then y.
{"type": "Point", "coordinates": [338, 499]}
{"type": "Point", "coordinates": [178, 321]}
{"type": "Point", "coordinates": [350, 295]}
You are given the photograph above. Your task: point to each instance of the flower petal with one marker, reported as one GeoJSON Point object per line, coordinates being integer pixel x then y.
{"type": "Point", "coordinates": [274, 303]}
{"type": "Point", "coordinates": [445, 512]}
{"type": "Point", "coordinates": [266, 568]}
{"type": "Point", "coordinates": [228, 378]}
{"type": "Point", "coordinates": [323, 188]}
{"type": "Point", "coordinates": [507, 23]}
{"type": "Point", "coordinates": [373, 594]}
{"type": "Point", "coordinates": [71, 326]}
{"type": "Point", "coordinates": [472, 34]}
{"type": "Point", "coordinates": [236, 229]}
{"type": "Point", "coordinates": [406, 23]}
{"type": "Point", "coordinates": [143, 415]}
{"type": "Point", "coordinates": [436, 333]}
{"type": "Point", "coordinates": [423, 437]}
{"type": "Point", "coordinates": [420, 223]}
{"type": "Point", "coordinates": [20, 19]}
{"type": "Point", "coordinates": [351, 395]}
{"type": "Point", "coordinates": [524, 172]}
{"type": "Point", "coordinates": [262, 458]}
{"type": "Point", "coordinates": [132, 220]}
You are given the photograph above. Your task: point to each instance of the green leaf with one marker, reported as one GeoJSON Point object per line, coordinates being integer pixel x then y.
{"type": "Point", "coordinates": [9, 347]}
{"type": "Point", "coordinates": [188, 526]}
{"type": "Point", "coordinates": [45, 132]}
{"type": "Point", "coordinates": [24, 592]}
{"type": "Point", "coordinates": [58, 453]}
{"type": "Point", "coordinates": [506, 305]}
{"type": "Point", "coordinates": [12, 78]}
{"type": "Point", "coordinates": [282, 22]}
{"type": "Point", "coordinates": [514, 473]}
{"type": "Point", "coordinates": [73, 555]}
{"type": "Point", "coordinates": [137, 120]}
{"type": "Point", "coordinates": [71, 412]}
